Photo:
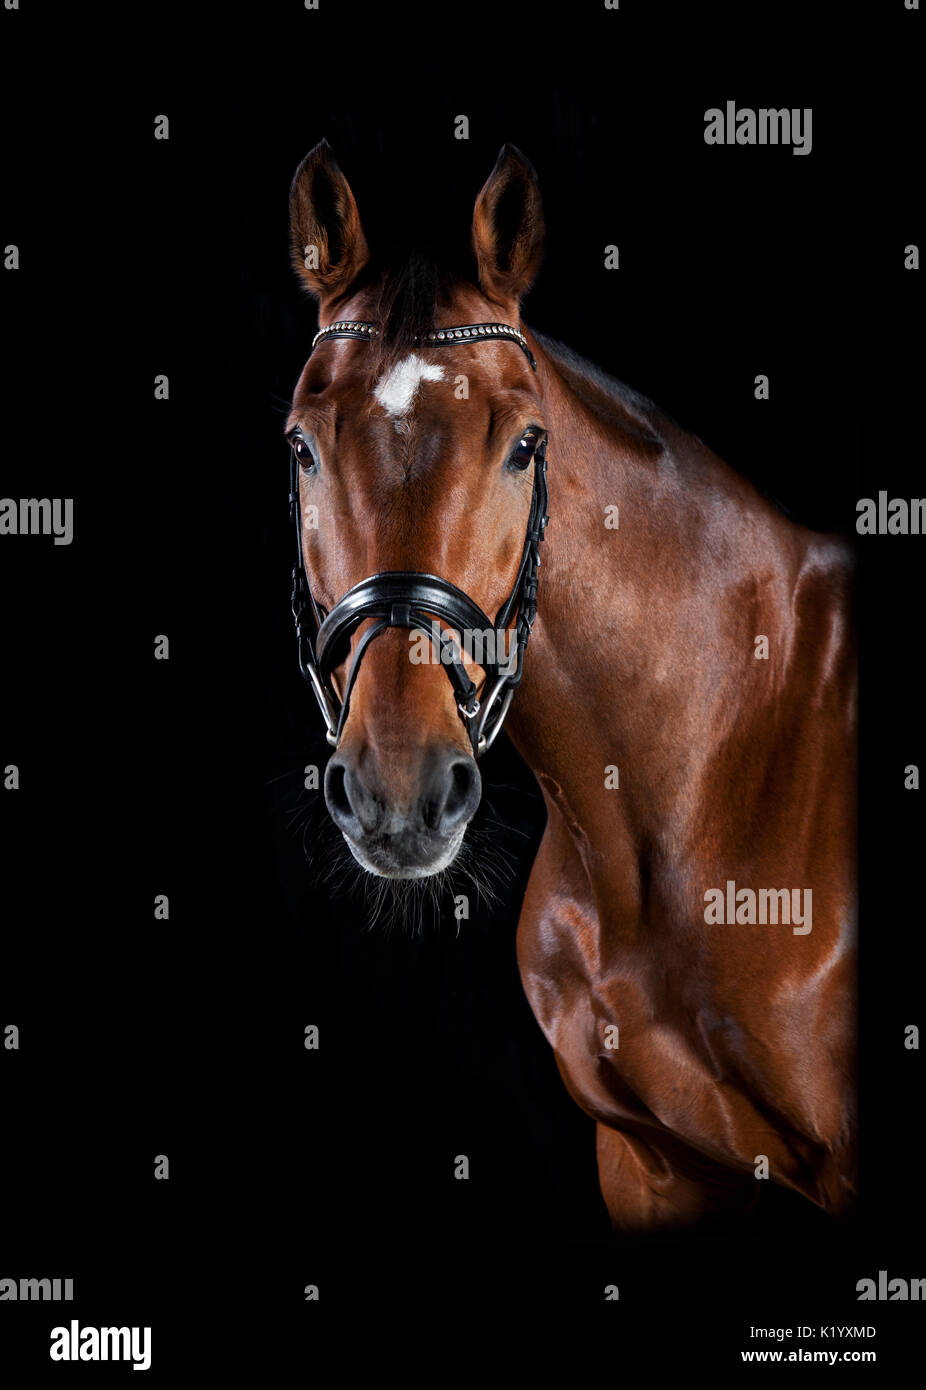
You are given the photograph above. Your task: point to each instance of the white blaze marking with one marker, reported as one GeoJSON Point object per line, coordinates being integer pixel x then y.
{"type": "Point", "coordinates": [396, 392]}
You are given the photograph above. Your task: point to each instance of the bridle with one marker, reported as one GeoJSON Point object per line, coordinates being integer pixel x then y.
{"type": "Point", "coordinates": [411, 599]}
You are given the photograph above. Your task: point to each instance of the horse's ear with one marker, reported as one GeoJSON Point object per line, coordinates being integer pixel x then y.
{"type": "Point", "coordinates": [508, 227]}
{"type": "Point", "coordinates": [328, 246]}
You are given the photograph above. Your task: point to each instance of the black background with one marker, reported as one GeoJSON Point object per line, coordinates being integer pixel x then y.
{"type": "Point", "coordinates": [139, 777]}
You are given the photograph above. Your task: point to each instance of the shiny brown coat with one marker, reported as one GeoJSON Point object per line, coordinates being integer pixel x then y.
{"type": "Point", "coordinates": [734, 1042]}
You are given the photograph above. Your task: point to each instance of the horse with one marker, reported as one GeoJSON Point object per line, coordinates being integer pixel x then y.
{"type": "Point", "coordinates": [688, 704]}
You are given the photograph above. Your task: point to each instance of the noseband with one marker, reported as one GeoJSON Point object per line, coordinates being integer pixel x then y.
{"type": "Point", "coordinates": [411, 599]}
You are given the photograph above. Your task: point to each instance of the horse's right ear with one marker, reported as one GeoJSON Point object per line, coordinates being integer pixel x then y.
{"type": "Point", "coordinates": [508, 228]}
{"type": "Point", "coordinates": [328, 246]}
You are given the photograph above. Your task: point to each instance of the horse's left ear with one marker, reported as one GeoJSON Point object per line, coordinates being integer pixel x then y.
{"type": "Point", "coordinates": [508, 228]}
{"type": "Point", "coordinates": [328, 246]}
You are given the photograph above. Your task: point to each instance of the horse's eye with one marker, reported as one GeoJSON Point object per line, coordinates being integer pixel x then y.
{"type": "Point", "coordinates": [303, 453]}
{"type": "Point", "coordinates": [521, 457]}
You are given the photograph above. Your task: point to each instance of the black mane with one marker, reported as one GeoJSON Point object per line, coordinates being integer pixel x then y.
{"type": "Point", "coordinates": [603, 392]}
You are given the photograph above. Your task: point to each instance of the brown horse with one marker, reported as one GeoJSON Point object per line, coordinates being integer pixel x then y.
{"type": "Point", "coordinates": [688, 706]}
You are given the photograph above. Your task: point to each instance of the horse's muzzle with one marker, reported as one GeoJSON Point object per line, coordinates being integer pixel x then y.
{"type": "Point", "coordinates": [413, 838]}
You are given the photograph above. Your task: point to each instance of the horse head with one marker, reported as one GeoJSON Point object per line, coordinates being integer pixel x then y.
{"type": "Point", "coordinates": [419, 495]}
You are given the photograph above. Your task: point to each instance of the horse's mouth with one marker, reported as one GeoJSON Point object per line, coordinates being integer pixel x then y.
{"type": "Point", "coordinates": [406, 856]}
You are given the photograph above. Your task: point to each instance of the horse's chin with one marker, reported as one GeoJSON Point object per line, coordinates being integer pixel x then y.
{"type": "Point", "coordinates": [386, 859]}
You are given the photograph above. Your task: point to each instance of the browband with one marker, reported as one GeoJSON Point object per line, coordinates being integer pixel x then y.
{"type": "Point", "coordinates": [435, 337]}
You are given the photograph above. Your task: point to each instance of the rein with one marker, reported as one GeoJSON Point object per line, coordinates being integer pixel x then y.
{"type": "Point", "coordinates": [412, 599]}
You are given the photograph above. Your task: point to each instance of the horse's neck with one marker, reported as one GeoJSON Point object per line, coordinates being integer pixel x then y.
{"type": "Point", "coordinates": [660, 569]}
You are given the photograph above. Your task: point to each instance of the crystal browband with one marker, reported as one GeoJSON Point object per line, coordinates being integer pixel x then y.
{"type": "Point", "coordinates": [435, 337]}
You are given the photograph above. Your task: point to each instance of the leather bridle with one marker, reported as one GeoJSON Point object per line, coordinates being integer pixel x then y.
{"type": "Point", "coordinates": [411, 599]}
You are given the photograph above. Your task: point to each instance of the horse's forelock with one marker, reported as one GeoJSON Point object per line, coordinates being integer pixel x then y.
{"type": "Point", "coordinates": [408, 295]}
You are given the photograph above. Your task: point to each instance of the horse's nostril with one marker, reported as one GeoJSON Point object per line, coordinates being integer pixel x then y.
{"type": "Point", "coordinates": [451, 792]}
{"type": "Point", "coordinates": [353, 809]}
{"type": "Point", "coordinates": [463, 775]}
{"type": "Point", "coordinates": [464, 787]}
{"type": "Point", "coordinates": [336, 791]}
